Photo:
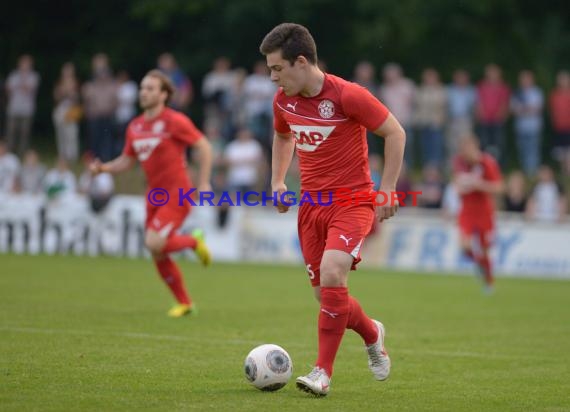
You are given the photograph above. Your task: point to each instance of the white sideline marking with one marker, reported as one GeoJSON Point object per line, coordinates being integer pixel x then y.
{"type": "Point", "coordinates": [141, 335]}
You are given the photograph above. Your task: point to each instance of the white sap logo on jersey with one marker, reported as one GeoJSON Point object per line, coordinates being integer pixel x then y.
{"type": "Point", "coordinates": [145, 147]}
{"type": "Point", "coordinates": [310, 137]}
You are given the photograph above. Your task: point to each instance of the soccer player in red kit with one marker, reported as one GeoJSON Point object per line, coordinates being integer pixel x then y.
{"type": "Point", "coordinates": [477, 177]}
{"type": "Point", "coordinates": [325, 118]}
{"type": "Point", "coordinates": [158, 139]}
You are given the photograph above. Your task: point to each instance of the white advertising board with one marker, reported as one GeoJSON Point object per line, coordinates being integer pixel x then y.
{"type": "Point", "coordinates": [418, 241]}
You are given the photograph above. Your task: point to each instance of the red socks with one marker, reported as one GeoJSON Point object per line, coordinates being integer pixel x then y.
{"type": "Point", "coordinates": [469, 253]}
{"type": "Point", "coordinates": [360, 323]}
{"type": "Point", "coordinates": [175, 243]}
{"type": "Point", "coordinates": [333, 319]}
{"type": "Point", "coordinates": [172, 276]}
{"type": "Point", "coordinates": [338, 312]}
{"type": "Point", "coordinates": [485, 264]}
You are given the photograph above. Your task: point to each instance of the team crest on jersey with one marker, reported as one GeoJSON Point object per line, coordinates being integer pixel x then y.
{"type": "Point", "coordinates": [308, 138]}
{"type": "Point", "coordinates": [158, 126]}
{"type": "Point", "coordinates": [145, 147]}
{"type": "Point", "coordinates": [326, 109]}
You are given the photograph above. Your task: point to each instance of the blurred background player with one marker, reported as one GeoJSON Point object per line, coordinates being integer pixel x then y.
{"type": "Point", "coordinates": [326, 118]}
{"type": "Point", "coordinates": [158, 139]}
{"type": "Point", "coordinates": [477, 177]}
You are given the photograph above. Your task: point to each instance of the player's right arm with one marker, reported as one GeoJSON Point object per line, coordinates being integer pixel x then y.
{"type": "Point", "coordinates": [283, 149]}
{"type": "Point", "coordinates": [120, 164]}
{"type": "Point", "coordinates": [124, 162]}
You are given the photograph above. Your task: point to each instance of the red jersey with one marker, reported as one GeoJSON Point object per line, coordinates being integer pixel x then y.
{"type": "Point", "coordinates": [477, 203]}
{"type": "Point", "coordinates": [330, 133]}
{"type": "Point", "coordinates": [493, 102]}
{"type": "Point", "coordinates": [560, 110]}
{"type": "Point", "coordinates": [159, 144]}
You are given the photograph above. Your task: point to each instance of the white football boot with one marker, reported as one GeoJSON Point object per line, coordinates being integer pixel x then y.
{"type": "Point", "coordinates": [317, 382]}
{"type": "Point", "coordinates": [378, 359]}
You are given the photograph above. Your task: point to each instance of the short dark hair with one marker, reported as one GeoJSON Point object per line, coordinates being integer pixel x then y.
{"type": "Point", "coordinates": [293, 40]}
{"type": "Point", "coordinates": [165, 82]}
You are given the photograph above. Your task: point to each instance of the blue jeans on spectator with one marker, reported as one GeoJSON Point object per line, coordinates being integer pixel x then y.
{"type": "Point", "coordinates": [528, 144]}
{"type": "Point", "coordinates": [101, 131]}
{"type": "Point", "coordinates": [492, 138]}
{"type": "Point", "coordinates": [120, 136]}
{"type": "Point", "coordinates": [432, 146]}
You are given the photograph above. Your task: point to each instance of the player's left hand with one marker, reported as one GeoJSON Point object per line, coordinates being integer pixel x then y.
{"type": "Point", "coordinates": [280, 188]}
{"type": "Point", "coordinates": [95, 167]}
{"type": "Point", "coordinates": [387, 210]}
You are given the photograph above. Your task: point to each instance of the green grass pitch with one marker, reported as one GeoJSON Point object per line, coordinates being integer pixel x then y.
{"type": "Point", "coordinates": [91, 334]}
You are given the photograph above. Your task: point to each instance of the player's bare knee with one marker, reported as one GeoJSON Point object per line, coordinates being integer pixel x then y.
{"type": "Point", "coordinates": [334, 269]}
{"type": "Point", "coordinates": [154, 243]}
{"type": "Point", "coordinates": [154, 247]}
{"type": "Point", "coordinates": [333, 275]}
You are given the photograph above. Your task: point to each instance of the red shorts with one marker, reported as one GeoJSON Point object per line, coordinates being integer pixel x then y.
{"type": "Point", "coordinates": [165, 219]}
{"type": "Point", "coordinates": [332, 227]}
{"type": "Point", "coordinates": [481, 227]}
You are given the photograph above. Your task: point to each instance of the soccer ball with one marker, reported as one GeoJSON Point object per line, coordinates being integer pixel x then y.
{"type": "Point", "coordinates": [268, 367]}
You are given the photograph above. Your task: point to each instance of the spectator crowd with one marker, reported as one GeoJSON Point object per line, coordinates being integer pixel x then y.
{"type": "Point", "coordinates": [90, 119]}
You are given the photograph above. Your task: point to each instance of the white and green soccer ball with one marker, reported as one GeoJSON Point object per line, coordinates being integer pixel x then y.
{"type": "Point", "coordinates": [268, 367]}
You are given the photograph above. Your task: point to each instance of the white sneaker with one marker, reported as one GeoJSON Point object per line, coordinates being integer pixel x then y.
{"type": "Point", "coordinates": [317, 382]}
{"type": "Point", "coordinates": [378, 359]}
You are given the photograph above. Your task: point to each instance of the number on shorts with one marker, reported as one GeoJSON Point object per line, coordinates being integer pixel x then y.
{"type": "Point", "coordinates": [310, 272]}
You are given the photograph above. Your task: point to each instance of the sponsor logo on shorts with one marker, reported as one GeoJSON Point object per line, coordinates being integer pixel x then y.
{"type": "Point", "coordinates": [343, 237]}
